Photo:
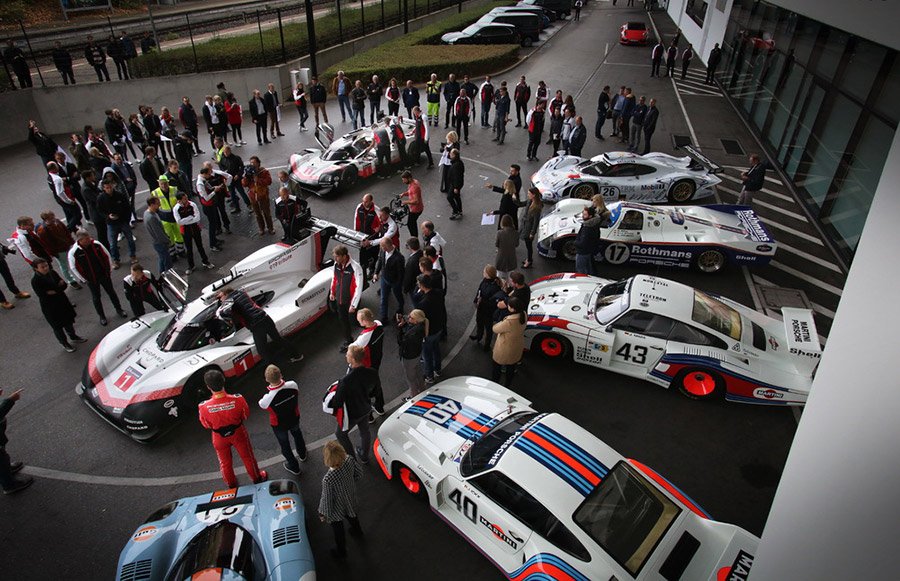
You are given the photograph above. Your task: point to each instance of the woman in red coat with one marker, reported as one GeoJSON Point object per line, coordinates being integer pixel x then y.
{"type": "Point", "coordinates": [235, 118]}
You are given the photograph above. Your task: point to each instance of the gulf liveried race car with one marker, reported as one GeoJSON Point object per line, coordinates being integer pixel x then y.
{"type": "Point", "coordinates": [251, 533]}
{"type": "Point", "coordinates": [652, 178]}
{"type": "Point", "coordinates": [703, 237]}
{"type": "Point", "coordinates": [342, 161]}
{"type": "Point", "coordinates": [543, 498]}
{"type": "Point", "coordinates": [634, 33]}
{"type": "Point", "coordinates": [147, 374]}
{"type": "Point", "coordinates": [705, 346]}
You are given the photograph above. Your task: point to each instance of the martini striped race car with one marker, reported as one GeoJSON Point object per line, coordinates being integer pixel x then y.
{"type": "Point", "coordinates": [664, 332]}
{"type": "Point", "coordinates": [703, 237]}
{"type": "Point", "coordinates": [543, 498]}
{"type": "Point", "coordinates": [251, 533]}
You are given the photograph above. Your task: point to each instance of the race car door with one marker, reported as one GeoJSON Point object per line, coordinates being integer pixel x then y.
{"type": "Point", "coordinates": [638, 342]}
{"type": "Point", "coordinates": [469, 506]}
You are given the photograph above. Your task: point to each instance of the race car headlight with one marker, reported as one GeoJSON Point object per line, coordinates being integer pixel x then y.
{"type": "Point", "coordinates": [161, 512]}
{"type": "Point", "coordinates": [326, 179]}
{"type": "Point", "coordinates": [280, 487]}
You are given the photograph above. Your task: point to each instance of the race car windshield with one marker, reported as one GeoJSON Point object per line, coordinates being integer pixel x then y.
{"type": "Point", "coordinates": [224, 545]}
{"type": "Point", "coordinates": [189, 329]}
{"type": "Point", "coordinates": [339, 153]}
{"type": "Point", "coordinates": [626, 516]}
{"type": "Point", "coordinates": [485, 453]}
{"type": "Point", "coordinates": [612, 300]}
{"type": "Point", "coordinates": [716, 315]}
{"type": "Point", "coordinates": [593, 168]}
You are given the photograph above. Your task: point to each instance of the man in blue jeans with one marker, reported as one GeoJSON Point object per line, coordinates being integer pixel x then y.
{"type": "Point", "coordinates": [431, 303]}
{"type": "Point", "coordinates": [116, 207]}
{"type": "Point", "coordinates": [341, 87]}
{"type": "Point", "coordinates": [158, 236]}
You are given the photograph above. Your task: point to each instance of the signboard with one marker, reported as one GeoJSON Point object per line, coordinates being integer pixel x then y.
{"type": "Point", "coordinates": [79, 5]}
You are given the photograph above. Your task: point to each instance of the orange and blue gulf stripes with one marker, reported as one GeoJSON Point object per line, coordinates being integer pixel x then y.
{"type": "Point", "coordinates": [466, 422]}
{"type": "Point", "coordinates": [563, 457]}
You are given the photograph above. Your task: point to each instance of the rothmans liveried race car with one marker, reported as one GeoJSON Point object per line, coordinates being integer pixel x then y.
{"type": "Point", "coordinates": [705, 346]}
{"type": "Point", "coordinates": [543, 498]}
{"type": "Point", "coordinates": [146, 375]}
{"type": "Point", "coordinates": [251, 533]}
{"type": "Point", "coordinates": [618, 175]}
{"type": "Point", "coordinates": [703, 237]}
{"type": "Point", "coordinates": [342, 161]}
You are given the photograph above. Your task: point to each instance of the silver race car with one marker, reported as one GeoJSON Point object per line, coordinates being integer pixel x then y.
{"type": "Point", "coordinates": [342, 161]}
{"type": "Point", "coordinates": [653, 178]}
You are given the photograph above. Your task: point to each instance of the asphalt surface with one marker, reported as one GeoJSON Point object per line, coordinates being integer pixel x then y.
{"type": "Point", "coordinates": [94, 486]}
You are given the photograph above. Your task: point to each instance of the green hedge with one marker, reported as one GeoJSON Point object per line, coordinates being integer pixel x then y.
{"type": "Point", "coordinates": [246, 51]}
{"type": "Point", "coordinates": [418, 54]}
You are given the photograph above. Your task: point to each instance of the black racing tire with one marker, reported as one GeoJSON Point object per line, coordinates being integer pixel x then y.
{"type": "Point", "coordinates": [414, 153]}
{"type": "Point", "coordinates": [552, 346]}
{"type": "Point", "coordinates": [567, 249]}
{"type": "Point", "coordinates": [699, 383]}
{"type": "Point", "coordinates": [682, 191]}
{"type": "Point", "coordinates": [348, 177]}
{"type": "Point", "coordinates": [195, 390]}
{"type": "Point", "coordinates": [583, 191]}
{"type": "Point", "coordinates": [410, 481]}
{"type": "Point", "coordinates": [710, 261]}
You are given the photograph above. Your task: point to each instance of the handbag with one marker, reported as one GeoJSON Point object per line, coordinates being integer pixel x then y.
{"type": "Point", "coordinates": [609, 113]}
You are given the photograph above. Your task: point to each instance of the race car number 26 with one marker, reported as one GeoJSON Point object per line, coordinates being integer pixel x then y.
{"type": "Point", "coordinates": [609, 192]}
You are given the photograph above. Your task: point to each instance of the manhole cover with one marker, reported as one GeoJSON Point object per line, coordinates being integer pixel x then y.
{"type": "Point", "coordinates": [774, 297]}
{"type": "Point", "coordinates": [680, 141]}
{"type": "Point", "coordinates": [732, 147]}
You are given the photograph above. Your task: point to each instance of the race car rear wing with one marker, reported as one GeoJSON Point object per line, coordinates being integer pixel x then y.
{"type": "Point", "coordinates": [339, 233]}
{"type": "Point", "coordinates": [802, 338]}
{"type": "Point", "coordinates": [700, 159]}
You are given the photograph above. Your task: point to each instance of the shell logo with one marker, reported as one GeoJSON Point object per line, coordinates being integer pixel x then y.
{"type": "Point", "coordinates": [144, 534]}
{"type": "Point", "coordinates": [286, 503]}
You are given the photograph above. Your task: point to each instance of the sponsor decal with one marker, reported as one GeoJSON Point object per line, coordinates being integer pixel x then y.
{"type": "Point", "coordinates": [286, 503]}
{"type": "Point", "coordinates": [801, 331]}
{"type": "Point", "coordinates": [773, 343]}
{"type": "Point", "coordinates": [802, 353]}
{"type": "Point", "coordinates": [512, 439]}
{"type": "Point", "coordinates": [221, 495]}
{"type": "Point", "coordinates": [144, 534]}
{"type": "Point", "coordinates": [641, 250]}
{"type": "Point", "coordinates": [752, 223]}
{"type": "Point", "coordinates": [145, 352]}
{"type": "Point", "coordinates": [652, 187]}
{"type": "Point", "coordinates": [649, 297]}
{"type": "Point", "coordinates": [767, 393]}
{"type": "Point", "coordinates": [497, 532]}
{"type": "Point", "coordinates": [764, 248]}
{"type": "Point", "coordinates": [313, 295]}
{"type": "Point", "coordinates": [739, 570]}
{"type": "Point", "coordinates": [586, 355]}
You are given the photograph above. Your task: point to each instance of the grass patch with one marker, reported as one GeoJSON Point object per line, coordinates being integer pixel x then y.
{"type": "Point", "coordinates": [418, 54]}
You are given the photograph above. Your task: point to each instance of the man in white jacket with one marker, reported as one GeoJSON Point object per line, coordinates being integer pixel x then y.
{"type": "Point", "coordinates": [187, 216]}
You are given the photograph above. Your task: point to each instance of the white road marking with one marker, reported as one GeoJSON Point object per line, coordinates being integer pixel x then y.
{"type": "Point", "coordinates": [809, 257]}
{"type": "Point", "coordinates": [788, 213]}
{"type": "Point", "coordinates": [778, 195]}
{"type": "Point", "coordinates": [805, 277]}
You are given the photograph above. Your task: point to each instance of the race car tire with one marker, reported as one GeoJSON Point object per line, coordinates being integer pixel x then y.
{"type": "Point", "coordinates": [567, 250]}
{"type": "Point", "coordinates": [410, 481]}
{"type": "Point", "coordinates": [348, 177]}
{"type": "Point", "coordinates": [699, 383]}
{"type": "Point", "coordinates": [195, 388]}
{"type": "Point", "coordinates": [552, 346]}
{"type": "Point", "coordinates": [583, 191]}
{"type": "Point", "coordinates": [414, 153]}
{"type": "Point", "coordinates": [710, 261]}
{"type": "Point", "coordinates": [682, 191]}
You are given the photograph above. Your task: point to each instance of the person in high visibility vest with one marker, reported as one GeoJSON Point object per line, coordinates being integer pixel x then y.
{"type": "Point", "coordinates": [168, 199]}
{"type": "Point", "coordinates": [433, 98]}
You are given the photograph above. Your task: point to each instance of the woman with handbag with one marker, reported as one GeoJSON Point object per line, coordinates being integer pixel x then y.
{"type": "Point", "coordinates": [510, 341]}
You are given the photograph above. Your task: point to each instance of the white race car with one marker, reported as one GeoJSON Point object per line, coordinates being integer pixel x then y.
{"type": "Point", "coordinates": [675, 336]}
{"type": "Point", "coordinates": [147, 374]}
{"type": "Point", "coordinates": [342, 161]}
{"type": "Point", "coordinates": [618, 175]}
{"type": "Point", "coordinates": [703, 237]}
{"type": "Point", "coordinates": [543, 498]}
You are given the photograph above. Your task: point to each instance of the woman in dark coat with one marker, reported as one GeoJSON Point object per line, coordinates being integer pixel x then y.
{"type": "Point", "coordinates": [485, 305]}
{"type": "Point", "coordinates": [531, 218]}
{"type": "Point", "coordinates": [59, 312]}
{"type": "Point", "coordinates": [508, 204]}
{"type": "Point", "coordinates": [506, 242]}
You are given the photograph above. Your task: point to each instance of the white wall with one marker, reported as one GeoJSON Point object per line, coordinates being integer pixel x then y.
{"type": "Point", "coordinates": [713, 31]}
{"type": "Point", "coordinates": [836, 513]}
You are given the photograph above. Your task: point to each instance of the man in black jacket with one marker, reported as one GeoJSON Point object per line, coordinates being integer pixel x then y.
{"type": "Point", "coordinates": [15, 57]}
{"type": "Point", "coordinates": [374, 92]}
{"type": "Point", "coordinates": [391, 269]}
{"type": "Point", "coordinates": [188, 117]}
{"type": "Point", "coordinates": [258, 115]}
{"type": "Point", "coordinates": [432, 304]}
{"type": "Point", "coordinates": [411, 269]}
{"type": "Point", "coordinates": [649, 125]}
{"type": "Point", "coordinates": [44, 145]}
{"type": "Point", "coordinates": [116, 51]}
{"type": "Point", "coordinates": [578, 137]}
{"type": "Point", "coordinates": [151, 168]}
{"type": "Point", "coordinates": [455, 178]}
{"type": "Point", "coordinates": [10, 483]}
{"type": "Point", "coordinates": [63, 62]}
{"type": "Point", "coordinates": [354, 392]}
{"type": "Point", "coordinates": [317, 97]}
{"type": "Point", "coordinates": [271, 102]}
{"type": "Point", "coordinates": [240, 309]}
{"type": "Point", "coordinates": [451, 92]}
{"type": "Point", "coordinates": [586, 241]}
{"type": "Point", "coordinates": [753, 179]}
{"type": "Point", "coordinates": [95, 57]}
{"type": "Point", "coordinates": [153, 125]}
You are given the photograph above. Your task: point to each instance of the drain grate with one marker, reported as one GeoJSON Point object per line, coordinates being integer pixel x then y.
{"type": "Point", "coordinates": [680, 141]}
{"type": "Point", "coordinates": [732, 147]}
{"type": "Point", "coordinates": [775, 297]}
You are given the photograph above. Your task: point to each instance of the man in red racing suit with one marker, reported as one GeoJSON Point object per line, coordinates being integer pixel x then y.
{"type": "Point", "coordinates": [224, 414]}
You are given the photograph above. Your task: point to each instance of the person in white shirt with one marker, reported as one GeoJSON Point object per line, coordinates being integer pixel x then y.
{"type": "Point", "coordinates": [187, 216]}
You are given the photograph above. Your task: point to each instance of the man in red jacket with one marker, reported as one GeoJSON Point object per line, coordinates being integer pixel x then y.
{"type": "Point", "coordinates": [224, 414]}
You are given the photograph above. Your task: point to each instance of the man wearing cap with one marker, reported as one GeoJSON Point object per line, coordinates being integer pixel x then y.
{"type": "Point", "coordinates": [168, 199]}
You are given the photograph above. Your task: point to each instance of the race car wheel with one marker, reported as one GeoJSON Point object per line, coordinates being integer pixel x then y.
{"type": "Point", "coordinates": [195, 388]}
{"type": "Point", "coordinates": [410, 481]}
{"type": "Point", "coordinates": [348, 177]}
{"type": "Point", "coordinates": [567, 250]}
{"type": "Point", "coordinates": [553, 346]}
{"type": "Point", "coordinates": [710, 261]}
{"type": "Point", "coordinates": [682, 191]}
{"type": "Point", "coordinates": [583, 191]}
{"type": "Point", "coordinates": [698, 383]}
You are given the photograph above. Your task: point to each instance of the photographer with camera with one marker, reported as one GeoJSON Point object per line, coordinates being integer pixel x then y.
{"type": "Point", "coordinates": [413, 202]}
{"type": "Point", "coordinates": [258, 179]}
